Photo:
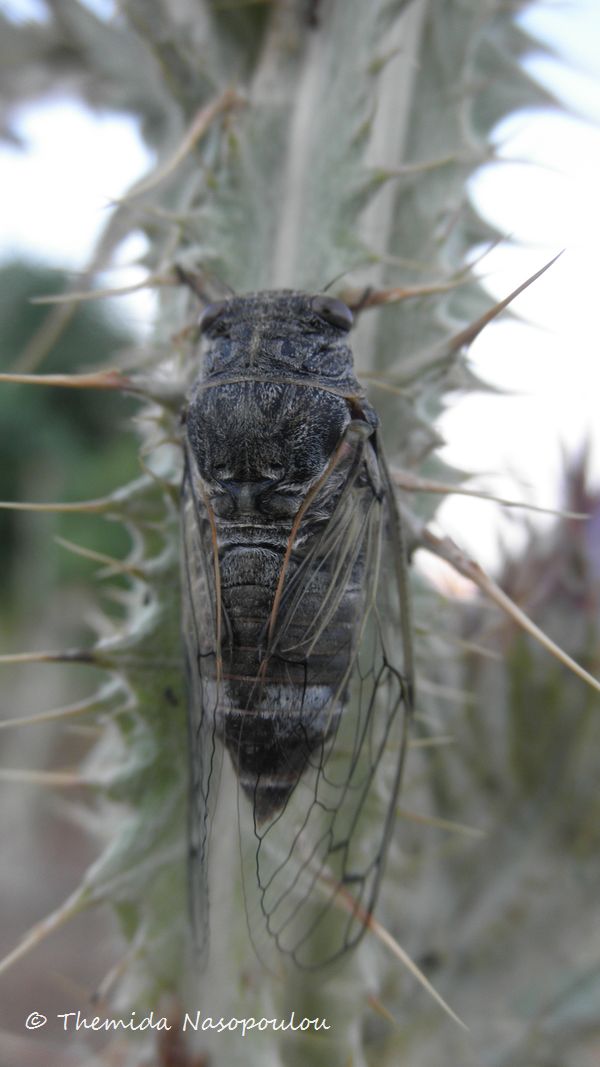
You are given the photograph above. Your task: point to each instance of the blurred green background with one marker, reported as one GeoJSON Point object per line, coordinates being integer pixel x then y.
{"type": "Point", "coordinates": [57, 444]}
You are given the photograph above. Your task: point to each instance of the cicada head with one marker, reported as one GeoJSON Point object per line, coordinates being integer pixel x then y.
{"type": "Point", "coordinates": [282, 331]}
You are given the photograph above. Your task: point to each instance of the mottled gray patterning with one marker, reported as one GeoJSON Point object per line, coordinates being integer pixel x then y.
{"type": "Point", "coordinates": [286, 507]}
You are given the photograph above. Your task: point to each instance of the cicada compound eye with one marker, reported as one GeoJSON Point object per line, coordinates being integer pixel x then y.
{"type": "Point", "coordinates": [210, 315]}
{"type": "Point", "coordinates": [332, 311]}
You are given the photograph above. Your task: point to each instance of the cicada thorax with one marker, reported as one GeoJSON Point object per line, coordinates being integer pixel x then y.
{"type": "Point", "coordinates": [268, 448]}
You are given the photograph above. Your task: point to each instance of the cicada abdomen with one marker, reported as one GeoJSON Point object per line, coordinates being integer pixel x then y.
{"type": "Point", "coordinates": [285, 511]}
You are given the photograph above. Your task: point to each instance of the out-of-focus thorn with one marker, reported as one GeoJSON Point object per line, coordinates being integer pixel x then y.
{"type": "Point", "coordinates": [412, 483]}
{"type": "Point", "coordinates": [446, 549]}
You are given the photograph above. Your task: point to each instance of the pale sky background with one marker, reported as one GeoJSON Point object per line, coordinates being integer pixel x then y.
{"type": "Point", "coordinates": [56, 194]}
{"type": "Point", "coordinates": [551, 367]}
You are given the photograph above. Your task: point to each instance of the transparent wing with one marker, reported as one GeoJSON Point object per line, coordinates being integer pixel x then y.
{"type": "Point", "coordinates": [340, 623]}
{"type": "Point", "coordinates": [312, 870]}
{"type": "Point", "coordinates": [201, 626]}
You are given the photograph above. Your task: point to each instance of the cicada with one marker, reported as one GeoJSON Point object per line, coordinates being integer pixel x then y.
{"type": "Point", "coordinates": [296, 617]}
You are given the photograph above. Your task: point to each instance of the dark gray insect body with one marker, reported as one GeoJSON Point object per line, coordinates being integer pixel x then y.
{"type": "Point", "coordinates": [283, 504]}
